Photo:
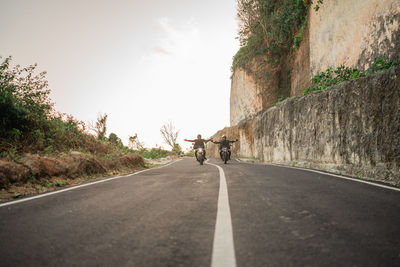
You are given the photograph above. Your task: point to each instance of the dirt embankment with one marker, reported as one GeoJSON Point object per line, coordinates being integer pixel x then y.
{"type": "Point", "coordinates": [33, 174]}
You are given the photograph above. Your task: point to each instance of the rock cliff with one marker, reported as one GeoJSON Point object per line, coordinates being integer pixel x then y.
{"type": "Point", "coordinates": [352, 128]}
{"type": "Point", "coordinates": [349, 32]}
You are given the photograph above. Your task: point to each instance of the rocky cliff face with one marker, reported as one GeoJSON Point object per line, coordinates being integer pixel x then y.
{"type": "Point", "coordinates": [353, 33]}
{"type": "Point", "coordinates": [352, 128]}
{"type": "Point", "coordinates": [246, 97]}
{"type": "Point", "coordinates": [349, 32]}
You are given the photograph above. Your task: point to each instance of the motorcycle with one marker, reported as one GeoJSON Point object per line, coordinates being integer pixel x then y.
{"type": "Point", "coordinates": [200, 155]}
{"type": "Point", "coordinates": [224, 154]}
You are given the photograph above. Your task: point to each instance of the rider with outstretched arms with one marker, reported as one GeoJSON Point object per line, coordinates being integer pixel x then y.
{"type": "Point", "coordinates": [225, 143]}
{"type": "Point", "coordinates": [199, 143]}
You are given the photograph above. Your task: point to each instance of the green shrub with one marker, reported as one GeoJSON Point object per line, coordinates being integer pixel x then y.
{"type": "Point", "coordinates": [299, 35]}
{"type": "Point", "coordinates": [24, 102]}
{"type": "Point", "coordinates": [381, 63]}
{"type": "Point", "coordinates": [267, 28]}
{"type": "Point", "coordinates": [330, 77]}
{"type": "Point", "coordinates": [115, 140]}
{"type": "Point", "coordinates": [190, 153]}
{"type": "Point", "coordinates": [280, 100]}
{"type": "Point", "coordinates": [154, 153]}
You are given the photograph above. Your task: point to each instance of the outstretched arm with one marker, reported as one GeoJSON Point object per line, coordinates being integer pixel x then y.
{"type": "Point", "coordinates": [233, 141]}
{"type": "Point", "coordinates": [189, 140]}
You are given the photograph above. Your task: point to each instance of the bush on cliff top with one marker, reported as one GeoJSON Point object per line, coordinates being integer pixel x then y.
{"type": "Point", "coordinates": [330, 77]}
{"type": "Point", "coordinates": [268, 27]}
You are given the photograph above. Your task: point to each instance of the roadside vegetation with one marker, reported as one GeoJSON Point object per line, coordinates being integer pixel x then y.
{"type": "Point", "coordinates": [42, 149]}
{"type": "Point", "coordinates": [29, 123]}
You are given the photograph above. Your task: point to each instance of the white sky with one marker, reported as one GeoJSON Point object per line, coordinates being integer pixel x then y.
{"type": "Point", "coordinates": [144, 63]}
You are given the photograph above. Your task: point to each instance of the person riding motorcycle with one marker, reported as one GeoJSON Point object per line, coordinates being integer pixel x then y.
{"type": "Point", "coordinates": [198, 143]}
{"type": "Point", "coordinates": [225, 143]}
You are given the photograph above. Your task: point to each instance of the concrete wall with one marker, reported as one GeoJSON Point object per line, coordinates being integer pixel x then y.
{"type": "Point", "coordinates": [352, 128]}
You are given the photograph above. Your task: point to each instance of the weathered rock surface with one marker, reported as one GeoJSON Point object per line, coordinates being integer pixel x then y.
{"type": "Point", "coordinates": [352, 128]}
{"type": "Point", "coordinates": [349, 32]}
{"type": "Point", "coordinates": [354, 33]}
{"type": "Point", "coordinates": [246, 97]}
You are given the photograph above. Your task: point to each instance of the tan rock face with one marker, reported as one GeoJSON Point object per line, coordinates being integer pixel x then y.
{"type": "Point", "coordinates": [352, 128]}
{"type": "Point", "coordinates": [349, 32]}
{"type": "Point", "coordinates": [246, 97]}
{"type": "Point", "coordinates": [355, 128]}
{"type": "Point", "coordinates": [353, 33]}
{"type": "Point", "coordinates": [300, 73]}
{"type": "Point", "coordinates": [245, 129]}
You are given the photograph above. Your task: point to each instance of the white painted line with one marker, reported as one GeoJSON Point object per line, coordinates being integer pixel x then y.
{"type": "Point", "coordinates": [223, 254]}
{"type": "Point", "coordinates": [79, 186]}
{"type": "Point", "coordinates": [338, 176]}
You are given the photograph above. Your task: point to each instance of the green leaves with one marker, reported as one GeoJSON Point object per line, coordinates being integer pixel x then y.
{"type": "Point", "coordinates": [267, 28]}
{"type": "Point", "coordinates": [317, 5]}
{"type": "Point", "coordinates": [281, 99]}
{"type": "Point", "coordinates": [381, 64]}
{"type": "Point", "coordinates": [330, 77]}
{"type": "Point", "coordinates": [25, 104]}
{"type": "Point", "coordinates": [154, 153]}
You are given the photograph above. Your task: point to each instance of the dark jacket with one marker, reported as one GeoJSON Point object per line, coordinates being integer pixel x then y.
{"type": "Point", "coordinates": [199, 143]}
{"type": "Point", "coordinates": [224, 143]}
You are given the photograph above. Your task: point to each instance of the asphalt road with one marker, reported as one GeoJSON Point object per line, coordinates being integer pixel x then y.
{"type": "Point", "coordinates": [167, 217]}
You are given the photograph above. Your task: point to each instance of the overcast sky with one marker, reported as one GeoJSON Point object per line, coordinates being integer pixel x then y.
{"type": "Point", "coordinates": [144, 63]}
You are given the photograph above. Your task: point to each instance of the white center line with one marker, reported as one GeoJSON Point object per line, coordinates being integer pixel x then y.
{"type": "Point", "coordinates": [223, 253]}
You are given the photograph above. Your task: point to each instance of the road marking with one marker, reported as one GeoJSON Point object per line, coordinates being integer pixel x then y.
{"type": "Point", "coordinates": [336, 175]}
{"type": "Point", "coordinates": [80, 186]}
{"type": "Point", "coordinates": [223, 254]}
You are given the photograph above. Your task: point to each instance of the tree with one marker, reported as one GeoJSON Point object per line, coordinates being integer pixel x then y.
{"type": "Point", "coordinates": [25, 105]}
{"type": "Point", "coordinates": [267, 28]}
{"type": "Point", "coordinates": [100, 126]}
{"type": "Point", "coordinates": [177, 149]}
{"type": "Point", "coordinates": [114, 139]}
{"type": "Point", "coordinates": [134, 143]}
{"type": "Point", "coordinates": [170, 135]}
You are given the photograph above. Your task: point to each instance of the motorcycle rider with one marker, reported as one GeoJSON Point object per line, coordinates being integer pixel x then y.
{"type": "Point", "coordinates": [225, 143]}
{"type": "Point", "coordinates": [199, 142]}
